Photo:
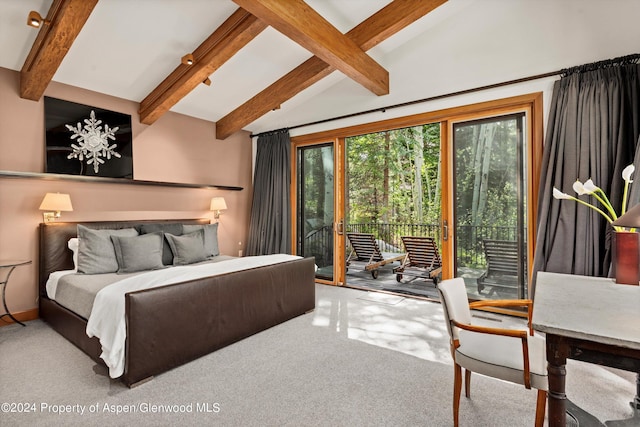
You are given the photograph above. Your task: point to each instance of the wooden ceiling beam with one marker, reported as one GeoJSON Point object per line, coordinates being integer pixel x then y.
{"type": "Point", "coordinates": [238, 30]}
{"type": "Point", "coordinates": [377, 28]}
{"type": "Point", "coordinates": [298, 21]}
{"type": "Point", "coordinates": [62, 25]}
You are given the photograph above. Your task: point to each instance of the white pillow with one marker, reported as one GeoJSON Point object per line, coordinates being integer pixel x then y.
{"type": "Point", "coordinates": [73, 245]}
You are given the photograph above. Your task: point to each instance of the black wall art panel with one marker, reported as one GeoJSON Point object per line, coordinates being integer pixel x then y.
{"type": "Point", "coordinates": [85, 140]}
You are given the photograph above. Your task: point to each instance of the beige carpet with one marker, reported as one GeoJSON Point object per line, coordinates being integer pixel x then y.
{"type": "Point", "coordinates": [352, 362]}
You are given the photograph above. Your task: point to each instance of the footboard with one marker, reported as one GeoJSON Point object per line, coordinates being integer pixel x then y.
{"type": "Point", "coordinates": [175, 324]}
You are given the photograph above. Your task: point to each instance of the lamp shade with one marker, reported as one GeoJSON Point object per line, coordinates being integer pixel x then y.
{"type": "Point", "coordinates": [218, 204]}
{"type": "Point", "coordinates": [56, 202]}
{"type": "Point", "coordinates": [631, 219]}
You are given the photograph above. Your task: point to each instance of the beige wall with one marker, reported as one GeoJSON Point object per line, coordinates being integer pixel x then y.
{"type": "Point", "coordinates": [177, 148]}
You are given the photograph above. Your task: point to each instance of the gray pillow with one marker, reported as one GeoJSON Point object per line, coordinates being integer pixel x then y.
{"type": "Point", "coordinates": [138, 253]}
{"type": "Point", "coordinates": [174, 228]}
{"type": "Point", "coordinates": [95, 250]}
{"type": "Point", "coordinates": [210, 237]}
{"type": "Point", "coordinates": [187, 248]}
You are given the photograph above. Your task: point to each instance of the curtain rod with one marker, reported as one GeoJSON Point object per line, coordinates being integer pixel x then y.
{"type": "Point", "coordinates": [619, 61]}
{"type": "Point", "coordinates": [417, 101]}
{"type": "Point", "coordinates": [624, 60]}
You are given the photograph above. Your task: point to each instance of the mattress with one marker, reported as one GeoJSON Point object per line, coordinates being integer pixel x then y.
{"type": "Point", "coordinates": [77, 292]}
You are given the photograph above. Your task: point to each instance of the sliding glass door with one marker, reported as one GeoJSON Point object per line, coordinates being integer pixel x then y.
{"type": "Point", "coordinates": [317, 208]}
{"type": "Point", "coordinates": [393, 193]}
{"type": "Point", "coordinates": [490, 204]}
{"type": "Point", "coordinates": [466, 177]}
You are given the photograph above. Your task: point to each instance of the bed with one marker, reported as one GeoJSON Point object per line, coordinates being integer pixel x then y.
{"type": "Point", "coordinates": [173, 324]}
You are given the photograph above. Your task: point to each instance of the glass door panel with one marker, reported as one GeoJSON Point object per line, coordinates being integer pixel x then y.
{"type": "Point", "coordinates": [393, 190]}
{"type": "Point", "coordinates": [490, 206]}
{"type": "Point", "coordinates": [315, 207]}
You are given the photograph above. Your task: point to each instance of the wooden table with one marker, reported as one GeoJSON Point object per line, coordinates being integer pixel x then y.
{"type": "Point", "coordinates": [589, 319]}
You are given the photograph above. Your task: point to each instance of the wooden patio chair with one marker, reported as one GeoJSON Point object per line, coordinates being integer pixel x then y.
{"type": "Point", "coordinates": [422, 259]}
{"type": "Point", "coordinates": [364, 249]}
{"type": "Point", "coordinates": [502, 265]}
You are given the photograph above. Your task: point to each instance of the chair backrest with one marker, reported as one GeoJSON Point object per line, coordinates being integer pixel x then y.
{"type": "Point", "coordinates": [422, 251]}
{"type": "Point", "coordinates": [501, 256]}
{"type": "Point", "coordinates": [365, 246]}
{"type": "Point", "coordinates": [453, 295]}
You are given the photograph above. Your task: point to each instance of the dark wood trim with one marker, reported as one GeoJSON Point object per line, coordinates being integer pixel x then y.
{"type": "Point", "coordinates": [101, 180]}
{"type": "Point", "coordinates": [560, 348]}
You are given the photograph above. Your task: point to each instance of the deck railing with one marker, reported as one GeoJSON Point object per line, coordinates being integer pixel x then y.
{"type": "Point", "coordinates": [468, 245]}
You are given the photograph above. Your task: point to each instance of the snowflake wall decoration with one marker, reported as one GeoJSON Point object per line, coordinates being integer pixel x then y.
{"type": "Point", "coordinates": [93, 142]}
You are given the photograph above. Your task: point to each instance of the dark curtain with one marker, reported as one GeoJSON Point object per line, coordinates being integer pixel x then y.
{"type": "Point", "coordinates": [634, 192]}
{"type": "Point", "coordinates": [270, 228]}
{"type": "Point", "coordinates": [592, 131]}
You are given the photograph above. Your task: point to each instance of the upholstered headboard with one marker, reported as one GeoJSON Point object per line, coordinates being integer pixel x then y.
{"type": "Point", "coordinates": [54, 236]}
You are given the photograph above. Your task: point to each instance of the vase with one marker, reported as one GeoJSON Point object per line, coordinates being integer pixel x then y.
{"type": "Point", "coordinates": [626, 257]}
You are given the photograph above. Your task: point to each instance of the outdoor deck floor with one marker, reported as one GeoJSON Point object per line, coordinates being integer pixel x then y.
{"type": "Point", "coordinates": [417, 287]}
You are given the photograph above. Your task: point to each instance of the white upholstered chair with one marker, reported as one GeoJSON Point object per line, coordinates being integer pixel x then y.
{"type": "Point", "coordinates": [512, 355]}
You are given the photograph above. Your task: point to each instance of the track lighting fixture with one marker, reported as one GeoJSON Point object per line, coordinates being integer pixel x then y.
{"type": "Point", "coordinates": [207, 81]}
{"type": "Point", "coordinates": [35, 20]}
{"type": "Point", "coordinates": [187, 59]}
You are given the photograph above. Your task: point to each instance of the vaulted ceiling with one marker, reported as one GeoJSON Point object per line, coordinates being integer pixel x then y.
{"type": "Point", "coordinates": [330, 49]}
{"type": "Point", "coordinates": [265, 64]}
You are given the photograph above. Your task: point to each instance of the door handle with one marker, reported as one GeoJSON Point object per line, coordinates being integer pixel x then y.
{"type": "Point", "coordinates": [445, 230]}
{"type": "Point", "coordinates": [340, 227]}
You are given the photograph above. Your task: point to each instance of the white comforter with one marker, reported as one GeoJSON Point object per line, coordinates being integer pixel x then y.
{"type": "Point", "coordinates": [107, 319]}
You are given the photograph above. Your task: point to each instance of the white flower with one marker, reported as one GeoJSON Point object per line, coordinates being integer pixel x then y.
{"type": "Point", "coordinates": [578, 187]}
{"type": "Point", "coordinates": [626, 175]}
{"type": "Point", "coordinates": [590, 187]}
{"type": "Point", "coordinates": [560, 195]}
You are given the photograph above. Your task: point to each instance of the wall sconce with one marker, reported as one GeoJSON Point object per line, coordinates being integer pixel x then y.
{"type": "Point", "coordinates": [55, 202]}
{"type": "Point", "coordinates": [187, 59]}
{"type": "Point", "coordinates": [35, 20]}
{"type": "Point", "coordinates": [218, 204]}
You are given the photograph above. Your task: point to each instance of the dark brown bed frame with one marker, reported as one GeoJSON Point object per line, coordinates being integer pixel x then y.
{"type": "Point", "coordinates": [175, 324]}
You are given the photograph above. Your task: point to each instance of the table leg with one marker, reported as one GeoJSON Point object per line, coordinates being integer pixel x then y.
{"type": "Point", "coordinates": [4, 300]}
{"type": "Point", "coordinates": [634, 421]}
{"type": "Point", "coordinates": [557, 352]}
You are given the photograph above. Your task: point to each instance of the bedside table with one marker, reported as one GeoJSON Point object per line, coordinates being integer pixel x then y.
{"type": "Point", "coordinates": [7, 267]}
